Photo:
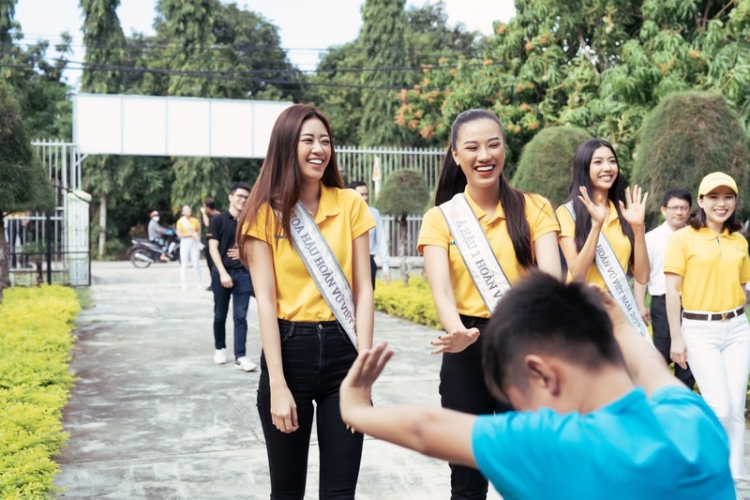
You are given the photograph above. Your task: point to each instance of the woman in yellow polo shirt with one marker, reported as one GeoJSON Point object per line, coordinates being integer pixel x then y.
{"type": "Point", "coordinates": [521, 229]}
{"type": "Point", "coordinates": [598, 198]}
{"type": "Point", "coordinates": [306, 352]}
{"type": "Point", "coordinates": [707, 265]}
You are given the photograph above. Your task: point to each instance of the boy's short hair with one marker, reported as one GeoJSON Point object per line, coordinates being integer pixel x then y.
{"type": "Point", "coordinates": [356, 184]}
{"type": "Point", "coordinates": [239, 185]}
{"type": "Point", "coordinates": [543, 315]}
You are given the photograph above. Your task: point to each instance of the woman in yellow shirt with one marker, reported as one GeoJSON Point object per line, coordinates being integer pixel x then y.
{"type": "Point", "coordinates": [521, 230]}
{"type": "Point", "coordinates": [707, 266]}
{"type": "Point", "coordinates": [189, 231]}
{"type": "Point", "coordinates": [598, 197]}
{"type": "Point", "coordinates": [306, 350]}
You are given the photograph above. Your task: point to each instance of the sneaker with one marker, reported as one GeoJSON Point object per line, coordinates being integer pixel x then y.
{"type": "Point", "coordinates": [245, 364]}
{"type": "Point", "coordinates": [220, 356]}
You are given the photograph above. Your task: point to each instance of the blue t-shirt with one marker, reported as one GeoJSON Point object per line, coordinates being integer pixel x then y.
{"type": "Point", "coordinates": [668, 446]}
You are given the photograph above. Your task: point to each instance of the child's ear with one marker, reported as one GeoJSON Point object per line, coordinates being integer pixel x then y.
{"type": "Point", "coordinates": [542, 374]}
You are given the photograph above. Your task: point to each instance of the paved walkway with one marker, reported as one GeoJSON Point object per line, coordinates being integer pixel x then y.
{"type": "Point", "coordinates": [152, 417]}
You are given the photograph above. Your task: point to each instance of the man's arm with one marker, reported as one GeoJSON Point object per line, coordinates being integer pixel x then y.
{"type": "Point", "coordinates": [214, 233]}
{"type": "Point", "coordinates": [436, 432]}
{"type": "Point", "coordinates": [646, 366]}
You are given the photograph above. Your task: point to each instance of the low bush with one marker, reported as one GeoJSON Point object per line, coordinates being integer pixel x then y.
{"type": "Point", "coordinates": [35, 343]}
{"type": "Point", "coordinates": [413, 302]}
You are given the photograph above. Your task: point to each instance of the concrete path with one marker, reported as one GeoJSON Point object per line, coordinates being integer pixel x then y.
{"type": "Point", "coordinates": [152, 417]}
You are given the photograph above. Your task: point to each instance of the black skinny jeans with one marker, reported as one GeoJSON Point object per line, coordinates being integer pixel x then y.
{"type": "Point", "coordinates": [316, 357]}
{"type": "Point", "coordinates": [462, 388]}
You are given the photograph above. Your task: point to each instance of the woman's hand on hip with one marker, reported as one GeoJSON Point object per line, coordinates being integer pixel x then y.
{"type": "Point", "coordinates": [455, 341]}
{"type": "Point", "coordinates": [284, 410]}
{"type": "Point", "coordinates": [678, 351]}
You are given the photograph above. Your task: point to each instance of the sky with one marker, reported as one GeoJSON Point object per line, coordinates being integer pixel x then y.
{"type": "Point", "coordinates": [306, 27]}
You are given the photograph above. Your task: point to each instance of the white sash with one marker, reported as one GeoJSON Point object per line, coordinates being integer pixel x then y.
{"type": "Point", "coordinates": [614, 277]}
{"type": "Point", "coordinates": [325, 270]}
{"type": "Point", "coordinates": [475, 250]}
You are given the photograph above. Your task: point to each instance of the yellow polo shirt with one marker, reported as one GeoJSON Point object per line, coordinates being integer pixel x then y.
{"type": "Point", "coordinates": [342, 217]}
{"type": "Point", "coordinates": [611, 229]}
{"type": "Point", "coordinates": [183, 231]}
{"type": "Point", "coordinates": [714, 268]}
{"type": "Point", "coordinates": [435, 231]}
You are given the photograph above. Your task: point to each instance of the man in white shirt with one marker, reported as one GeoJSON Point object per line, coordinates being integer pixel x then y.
{"type": "Point", "coordinates": [378, 243]}
{"type": "Point", "coordinates": [675, 207]}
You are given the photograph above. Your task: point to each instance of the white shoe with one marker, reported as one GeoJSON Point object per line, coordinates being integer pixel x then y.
{"type": "Point", "coordinates": [245, 364]}
{"type": "Point", "coordinates": [220, 356]}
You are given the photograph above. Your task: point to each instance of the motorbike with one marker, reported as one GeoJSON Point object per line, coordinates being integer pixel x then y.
{"type": "Point", "coordinates": [144, 252]}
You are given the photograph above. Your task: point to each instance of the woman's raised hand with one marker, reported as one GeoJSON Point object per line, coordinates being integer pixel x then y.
{"type": "Point", "coordinates": [598, 209]}
{"type": "Point", "coordinates": [635, 212]}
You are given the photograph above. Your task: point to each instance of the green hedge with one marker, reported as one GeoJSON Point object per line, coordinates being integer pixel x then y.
{"type": "Point", "coordinates": [35, 344]}
{"type": "Point", "coordinates": [413, 302]}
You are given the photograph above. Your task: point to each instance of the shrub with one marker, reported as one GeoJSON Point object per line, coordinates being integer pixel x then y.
{"type": "Point", "coordinates": [413, 302]}
{"type": "Point", "coordinates": [689, 135]}
{"type": "Point", "coordinates": [546, 163]}
{"type": "Point", "coordinates": [36, 325]}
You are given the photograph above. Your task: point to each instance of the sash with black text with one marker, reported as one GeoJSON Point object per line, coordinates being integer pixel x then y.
{"type": "Point", "coordinates": [324, 268]}
{"type": "Point", "coordinates": [475, 250]}
{"type": "Point", "coordinates": [614, 276]}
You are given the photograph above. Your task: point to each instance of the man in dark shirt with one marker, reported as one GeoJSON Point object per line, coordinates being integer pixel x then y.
{"type": "Point", "coordinates": [230, 280]}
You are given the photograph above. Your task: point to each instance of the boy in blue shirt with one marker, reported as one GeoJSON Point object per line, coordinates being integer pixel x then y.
{"type": "Point", "coordinates": [599, 414]}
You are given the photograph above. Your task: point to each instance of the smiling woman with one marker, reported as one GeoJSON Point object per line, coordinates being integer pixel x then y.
{"type": "Point", "coordinates": [305, 240]}
{"type": "Point", "coordinates": [466, 240]}
{"type": "Point", "coordinates": [706, 267]}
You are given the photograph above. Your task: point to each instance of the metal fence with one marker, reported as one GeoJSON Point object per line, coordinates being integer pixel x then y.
{"type": "Point", "coordinates": [374, 165]}
{"type": "Point", "coordinates": [53, 247]}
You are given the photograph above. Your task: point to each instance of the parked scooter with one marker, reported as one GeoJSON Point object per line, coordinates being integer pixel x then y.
{"type": "Point", "coordinates": [145, 252]}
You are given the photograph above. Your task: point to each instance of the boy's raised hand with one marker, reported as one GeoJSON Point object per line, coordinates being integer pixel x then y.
{"type": "Point", "coordinates": [356, 389]}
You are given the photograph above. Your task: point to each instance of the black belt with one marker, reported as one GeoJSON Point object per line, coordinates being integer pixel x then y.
{"type": "Point", "coordinates": [715, 316]}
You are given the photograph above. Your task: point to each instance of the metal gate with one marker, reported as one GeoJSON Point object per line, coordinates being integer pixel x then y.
{"type": "Point", "coordinates": [53, 247]}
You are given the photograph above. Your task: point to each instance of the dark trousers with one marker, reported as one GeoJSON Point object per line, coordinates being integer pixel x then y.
{"type": "Point", "coordinates": [209, 260]}
{"type": "Point", "coordinates": [240, 294]}
{"type": "Point", "coordinates": [462, 388]}
{"type": "Point", "coordinates": [373, 270]}
{"type": "Point", "coordinates": [316, 357]}
{"type": "Point", "coordinates": [662, 340]}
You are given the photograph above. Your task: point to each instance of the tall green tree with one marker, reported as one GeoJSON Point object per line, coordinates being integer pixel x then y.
{"type": "Point", "coordinates": [105, 45]}
{"type": "Point", "coordinates": [382, 38]}
{"type": "Point", "coordinates": [38, 83]}
{"type": "Point", "coordinates": [601, 65]}
{"type": "Point", "coordinates": [428, 42]}
{"type": "Point", "coordinates": [24, 184]}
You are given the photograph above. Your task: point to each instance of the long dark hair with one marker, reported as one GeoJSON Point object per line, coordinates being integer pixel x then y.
{"type": "Point", "coordinates": [280, 180]}
{"type": "Point", "coordinates": [453, 181]}
{"type": "Point", "coordinates": [582, 177]}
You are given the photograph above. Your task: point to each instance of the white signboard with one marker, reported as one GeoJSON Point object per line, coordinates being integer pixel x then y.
{"type": "Point", "coordinates": [173, 126]}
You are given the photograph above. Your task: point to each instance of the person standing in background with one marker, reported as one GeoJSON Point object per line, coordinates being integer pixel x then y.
{"type": "Point", "coordinates": [230, 280]}
{"type": "Point", "coordinates": [208, 211]}
{"type": "Point", "coordinates": [378, 241]}
{"type": "Point", "coordinates": [189, 232]}
{"type": "Point", "coordinates": [675, 207]}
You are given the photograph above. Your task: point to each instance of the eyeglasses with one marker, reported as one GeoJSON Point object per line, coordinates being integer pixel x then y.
{"type": "Point", "coordinates": [242, 196]}
{"type": "Point", "coordinates": [678, 208]}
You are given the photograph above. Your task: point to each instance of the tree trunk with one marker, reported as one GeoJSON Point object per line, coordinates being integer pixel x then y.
{"type": "Point", "coordinates": [102, 225]}
{"type": "Point", "coordinates": [402, 249]}
{"type": "Point", "coordinates": [4, 262]}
